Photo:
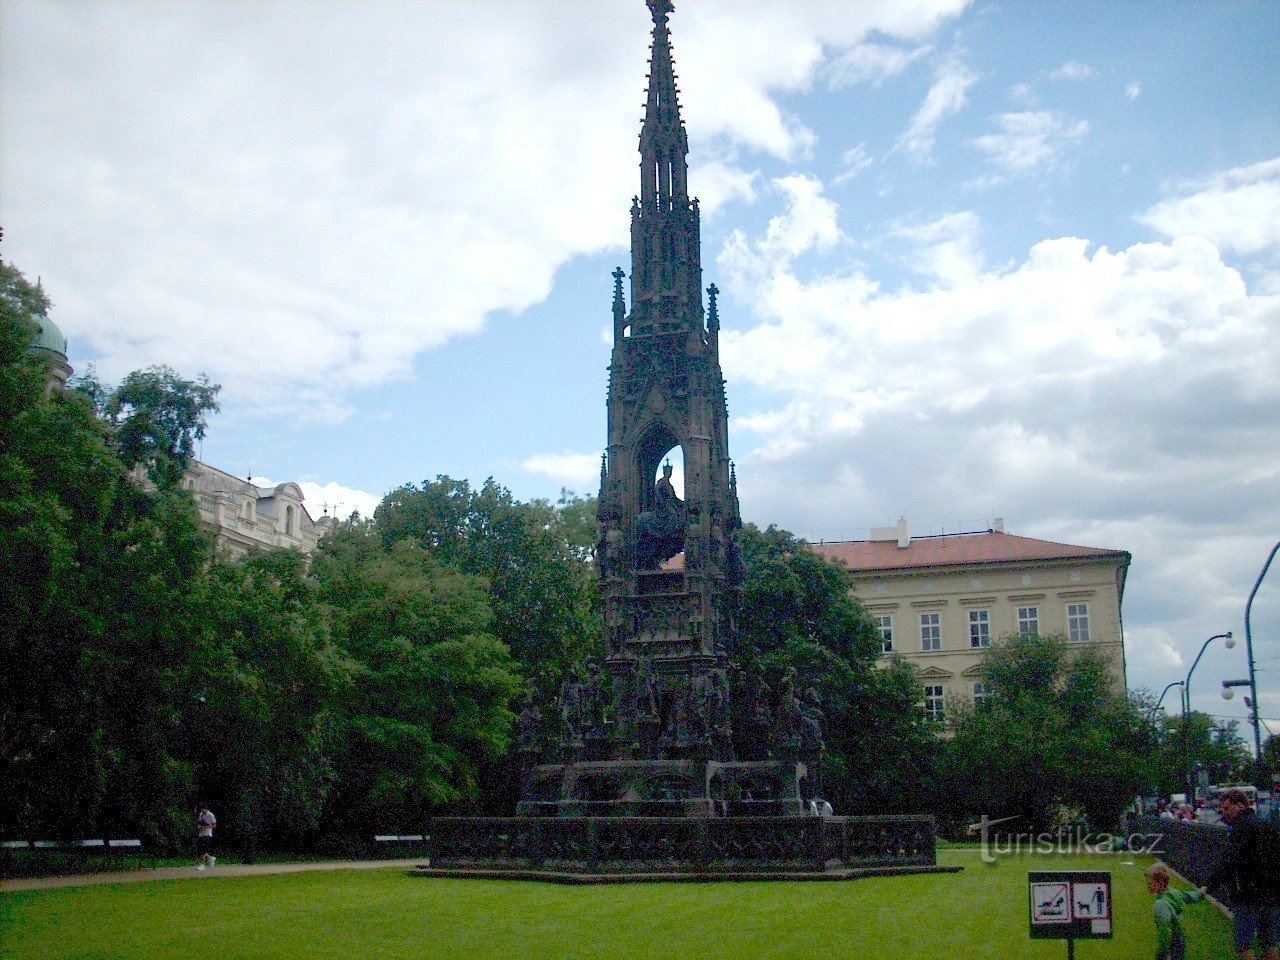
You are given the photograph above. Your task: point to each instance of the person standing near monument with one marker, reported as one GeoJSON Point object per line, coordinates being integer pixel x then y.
{"type": "Point", "coordinates": [1250, 874]}
{"type": "Point", "coordinates": [205, 822]}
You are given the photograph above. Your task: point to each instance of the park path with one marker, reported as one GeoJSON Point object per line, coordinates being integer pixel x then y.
{"type": "Point", "coordinates": [191, 873]}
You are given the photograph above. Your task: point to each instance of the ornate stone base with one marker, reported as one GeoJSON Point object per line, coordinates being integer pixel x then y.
{"type": "Point", "coordinates": [700, 876]}
{"type": "Point", "coordinates": [663, 788]}
{"type": "Point", "coordinates": [679, 845]}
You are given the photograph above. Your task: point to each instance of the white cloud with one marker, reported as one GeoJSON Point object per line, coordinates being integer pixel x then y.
{"type": "Point", "coordinates": [947, 96]}
{"type": "Point", "coordinates": [719, 182]}
{"type": "Point", "coordinates": [576, 471]}
{"type": "Point", "coordinates": [1078, 383]}
{"type": "Point", "coordinates": [1133, 90]}
{"type": "Point", "coordinates": [301, 205]}
{"type": "Point", "coordinates": [1239, 210]}
{"type": "Point", "coordinates": [947, 248]}
{"type": "Point", "coordinates": [855, 160]}
{"type": "Point", "coordinates": [871, 63]}
{"type": "Point", "coordinates": [1122, 399]}
{"type": "Point", "coordinates": [1030, 140]}
{"type": "Point", "coordinates": [1073, 70]}
{"type": "Point", "coordinates": [808, 223]}
{"type": "Point", "coordinates": [780, 47]}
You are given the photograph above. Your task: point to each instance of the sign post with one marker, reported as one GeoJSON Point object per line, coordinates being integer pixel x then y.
{"type": "Point", "coordinates": [1069, 905]}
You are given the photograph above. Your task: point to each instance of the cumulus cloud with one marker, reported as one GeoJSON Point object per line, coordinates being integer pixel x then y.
{"type": "Point", "coordinates": [946, 249]}
{"type": "Point", "coordinates": [1081, 392]}
{"type": "Point", "coordinates": [947, 96]}
{"type": "Point", "coordinates": [301, 206]}
{"type": "Point", "coordinates": [1030, 140]}
{"type": "Point", "coordinates": [1239, 209]}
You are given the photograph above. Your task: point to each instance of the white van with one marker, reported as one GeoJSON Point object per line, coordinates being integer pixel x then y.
{"type": "Point", "coordinates": [1248, 790]}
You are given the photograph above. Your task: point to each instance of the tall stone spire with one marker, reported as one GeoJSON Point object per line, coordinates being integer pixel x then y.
{"type": "Point", "coordinates": [664, 147]}
{"type": "Point", "coordinates": [670, 565]}
{"type": "Point", "coordinates": [666, 270]}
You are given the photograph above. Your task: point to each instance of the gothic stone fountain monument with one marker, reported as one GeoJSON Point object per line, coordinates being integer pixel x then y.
{"type": "Point", "coordinates": [665, 755]}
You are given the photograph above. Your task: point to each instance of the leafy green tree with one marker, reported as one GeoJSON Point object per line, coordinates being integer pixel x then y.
{"type": "Point", "coordinates": [798, 612]}
{"type": "Point", "coordinates": [1053, 732]}
{"type": "Point", "coordinates": [1271, 758]}
{"type": "Point", "coordinates": [1198, 742]}
{"type": "Point", "coordinates": [259, 697]}
{"type": "Point", "coordinates": [431, 686]}
{"type": "Point", "coordinates": [157, 418]}
{"type": "Point", "coordinates": [534, 556]}
{"type": "Point", "coordinates": [93, 581]}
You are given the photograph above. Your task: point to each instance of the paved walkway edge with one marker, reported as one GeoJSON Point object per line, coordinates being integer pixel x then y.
{"type": "Point", "coordinates": [191, 873]}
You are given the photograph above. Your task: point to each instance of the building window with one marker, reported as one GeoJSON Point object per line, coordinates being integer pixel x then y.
{"type": "Point", "coordinates": [934, 704]}
{"type": "Point", "coordinates": [885, 625]}
{"type": "Point", "coordinates": [1078, 622]}
{"type": "Point", "coordinates": [930, 631]}
{"type": "Point", "coordinates": [979, 628]}
{"type": "Point", "coordinates": [1028, 621]}
{"type": "Point", "coordinates": [981, 691]}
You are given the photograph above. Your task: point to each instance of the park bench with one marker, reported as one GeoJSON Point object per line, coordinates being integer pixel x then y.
{"type": "Point", "coordinates": [390, 845]}
{"type": "Point", "coordinates": [24, 856]}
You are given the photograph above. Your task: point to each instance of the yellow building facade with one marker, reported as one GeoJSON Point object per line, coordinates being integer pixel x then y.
{"type": "Point", "coordinates": [246, 518]}
{"type": "Point", "coordinates": [940, 601]}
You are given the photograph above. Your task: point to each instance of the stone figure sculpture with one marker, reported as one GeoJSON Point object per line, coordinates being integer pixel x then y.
{"type": "Point", "coordinates": [660, 531]}
{"type": "Point", "coordinates": [530, 725]}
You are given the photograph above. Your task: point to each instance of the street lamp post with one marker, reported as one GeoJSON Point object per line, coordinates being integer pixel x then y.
{"type": "Point", "coordinates": [1253, 676]}
{"type": "Point", "coordinates": [1156, 708]}
{"type": "Point", "coordinates": [1186, 708]}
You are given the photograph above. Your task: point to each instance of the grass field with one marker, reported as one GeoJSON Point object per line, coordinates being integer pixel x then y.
{"type": "Point", "coordinates": [386, 915]}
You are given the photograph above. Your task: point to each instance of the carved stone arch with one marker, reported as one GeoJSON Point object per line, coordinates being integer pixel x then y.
{"type": "Point", "coordinates": [654, 443]}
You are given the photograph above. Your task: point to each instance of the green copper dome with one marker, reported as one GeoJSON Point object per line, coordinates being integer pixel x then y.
{"type": "Point", "coordinates": [51, 338]}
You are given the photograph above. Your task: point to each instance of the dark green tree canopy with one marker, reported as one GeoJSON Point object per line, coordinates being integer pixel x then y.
{"type": "Point", "coordinates": [534, 556]}
{"type": "Point", "coordinates": [157, 417]}
{"type": "Point", "coordinates": [798, 612]}
{"type": "Point", "coordinates": [1053, 733]}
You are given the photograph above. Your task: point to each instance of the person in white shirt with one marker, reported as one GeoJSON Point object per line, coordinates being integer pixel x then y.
{"type": "Point", "coordinates": [205, 822]}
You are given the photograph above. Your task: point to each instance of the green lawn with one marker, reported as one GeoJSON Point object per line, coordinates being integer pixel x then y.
{"type": "Point", "coordinates": [383, 914]}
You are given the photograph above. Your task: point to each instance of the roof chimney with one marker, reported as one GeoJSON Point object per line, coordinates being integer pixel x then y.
{"type": "Point", "coordinates": [904, 533]}
{"type": "Point", "coordinates": [997, 525]}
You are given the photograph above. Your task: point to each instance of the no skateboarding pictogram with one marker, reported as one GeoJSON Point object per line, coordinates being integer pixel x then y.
{"type": "Point", "coordinates": [1050, 902]}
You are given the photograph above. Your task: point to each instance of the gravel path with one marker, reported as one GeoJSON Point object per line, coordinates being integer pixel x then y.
{"type": "Point", "coordinates": [191, 873]}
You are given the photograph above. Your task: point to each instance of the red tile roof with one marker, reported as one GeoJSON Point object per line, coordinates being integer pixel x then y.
{"type": "Point", "coordinates": [954, 550]}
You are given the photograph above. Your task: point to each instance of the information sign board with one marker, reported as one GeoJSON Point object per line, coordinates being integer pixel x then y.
{"type": "Point", "coordinates": [1069, 904]}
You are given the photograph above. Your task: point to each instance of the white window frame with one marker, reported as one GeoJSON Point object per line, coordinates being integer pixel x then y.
{"type": "Point", "coordinates": [884, 623]}
{"type": "Point", "coordinates": [935, 702]}
{"type": "Point", "coordinates": [981, 691]}
{"type": "Point", "coordinates": [930, 631]}
{"type": "Point", "coordinates": [979, 628]}
{"type": "Point", "coordinates": [1028, 621]}
{"type": "Point", "coordinates": [1078, 623]}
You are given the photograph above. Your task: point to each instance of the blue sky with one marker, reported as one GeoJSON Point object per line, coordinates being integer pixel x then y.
{"type": "Point", "coordinates": [976, 260]}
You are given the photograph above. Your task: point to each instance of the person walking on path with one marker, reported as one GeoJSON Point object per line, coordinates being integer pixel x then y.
{"type": "Point", "coordinates": [205, 822]}
{"type": "Point", "coordinates": [1250, 873]}
{"type": "Point", "coordinates": [1171, 943]}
